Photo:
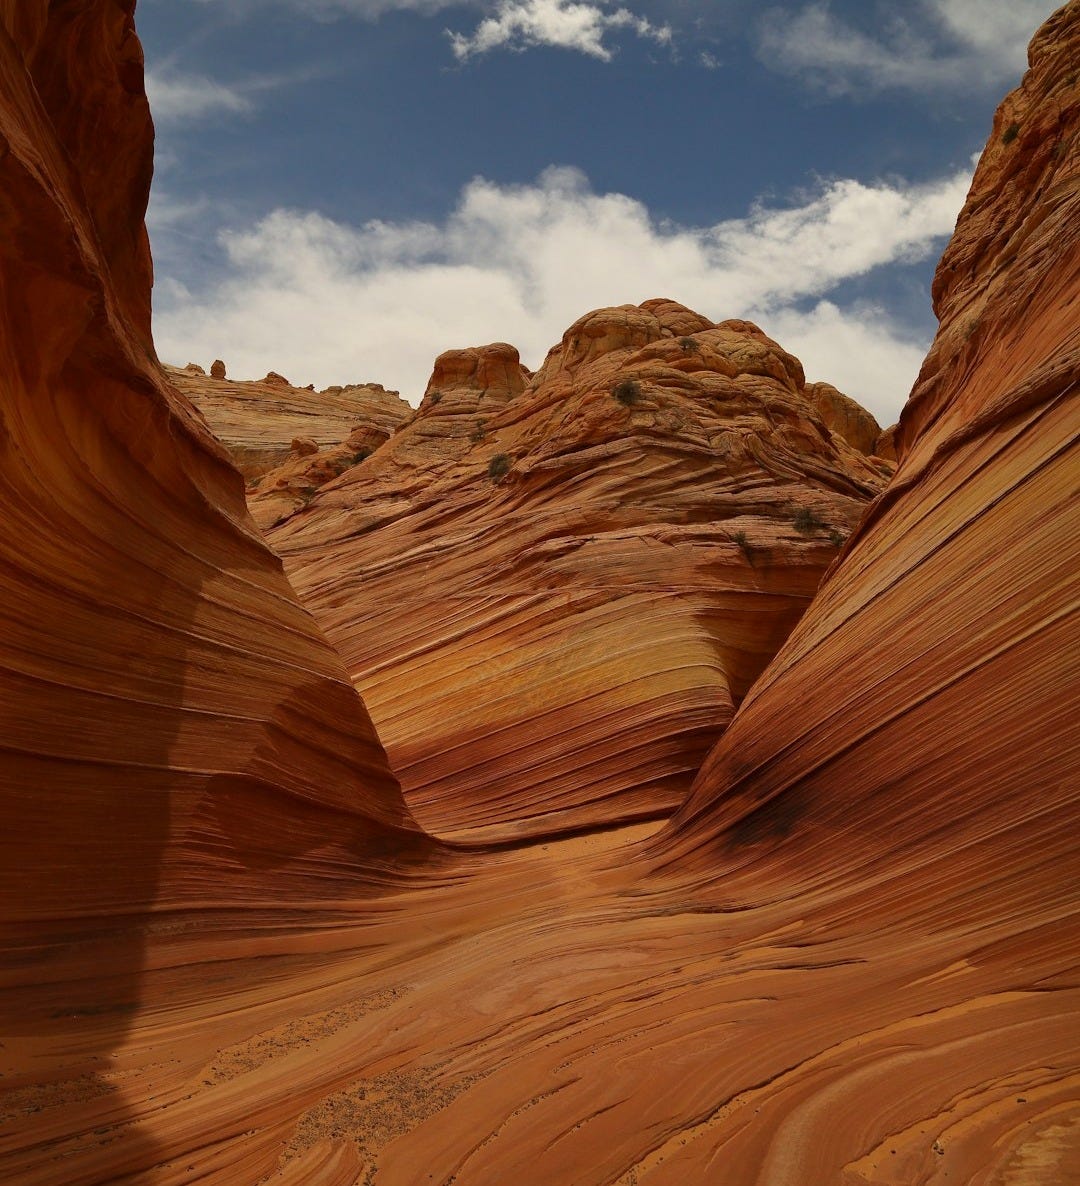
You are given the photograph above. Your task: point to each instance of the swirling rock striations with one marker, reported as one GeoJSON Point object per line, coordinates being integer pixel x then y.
{"type": "Point", "coordinates": [952, 615]}
{"type": "Point", "coordinates": [908, 764]}
{"type": "Point", "coordinates": [553, 590]}
{"type": "Point", "coordinates": [851, 962]}
{"type": "Point", "coordinates": [175, 730]}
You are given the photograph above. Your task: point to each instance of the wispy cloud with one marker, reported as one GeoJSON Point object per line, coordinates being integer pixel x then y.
{"type": "Point", "coordinates": [564, 24]}
{"type": "Point", "coordinates": [934, 47]}
{"type": "Point", "coordinates": [326, 302]}
{"type": "Point", "coordinates": [327, 9]}
{"type": "Point", "coordinates": [176, 97]}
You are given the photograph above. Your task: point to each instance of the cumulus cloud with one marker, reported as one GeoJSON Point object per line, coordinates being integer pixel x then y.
{"type": "Point", "coordinates": [936, 46]}
{"type": "Point", "coordinates": [564, 24]}
{"type": "Point", "coordinates": [858, 349]}
{"type": "Point", "coordinates": [581, 25]}
{"type": "Point", "coordinates": [326, 302]}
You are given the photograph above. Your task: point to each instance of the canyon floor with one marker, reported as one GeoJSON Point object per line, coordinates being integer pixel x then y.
{"type": "Point", "coordinates": [546, 1014]}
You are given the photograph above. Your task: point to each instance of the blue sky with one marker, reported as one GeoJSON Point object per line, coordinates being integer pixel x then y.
{"type": "Point", "coordinates": [345, 188]}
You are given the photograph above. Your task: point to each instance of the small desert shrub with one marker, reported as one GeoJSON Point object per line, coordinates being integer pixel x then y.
{"type": "Point", "coordinates": [744, 545]}
{"type": "Point", "coordinates": [690, 345]}
{"type": "Point", "coordinates": [627, 392]}
{"type": "Point", "coordinates": [806, 522]}
{"type": "Point", "coordinates": [361, 455]}
{"type": "Point", "coordinates": [499, 466]}
{"type": "Point", "coordinates": [434, 397]}
{"type": "Point", "coordinates": [1010, 133]}
{"type": "Point", "coordinates": [836, 538]}
{"type": "Point", "coordinates": [478, 433]}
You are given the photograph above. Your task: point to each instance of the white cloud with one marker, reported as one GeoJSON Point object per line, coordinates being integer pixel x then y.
{"type": "Point", "coordinates": [857, 349]}
{"type": "Point", "coordinates": [517, 25]}
{"type": "Point", "coordinates": [935, 46]}
{"type": "Point", "coordinates": [564, 24]}
{"type": "Point", "coordinates": [176, 97]}
{"type": "Point", "coordinates": [327, 303]}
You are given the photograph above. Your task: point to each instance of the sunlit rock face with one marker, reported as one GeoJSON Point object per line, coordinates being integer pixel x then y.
{"type": "Point", "coordinates": [175, 729]}
{"type": "Point", "coordinates": [939, 657]}
{"type": "Point", "coordinates": [553, 590]}
{"type": "Point", "coordinates": [845, 417]}
{"type": "Point", "coordinates": [258, 420]}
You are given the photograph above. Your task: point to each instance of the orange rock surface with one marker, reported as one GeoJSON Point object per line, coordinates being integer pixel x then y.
{"type": "Point", "coordinates": [258, 421]}
{"type": "Point", "coordinates": [845, 417]}
{"type": "Point", "coordinates": [850, 960]}
{"type": "Point", "coordinates": [175, 730]}
{"type": "Point", "coordinates": [558, 645]}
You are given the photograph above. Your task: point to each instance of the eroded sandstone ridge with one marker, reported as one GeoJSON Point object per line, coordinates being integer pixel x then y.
{"type": "Point", "coordinates": [171, 718]}
{"type": "Point", "coordinates": [553, 590]}
{"type": "Point", "coordinates": [287, 441]}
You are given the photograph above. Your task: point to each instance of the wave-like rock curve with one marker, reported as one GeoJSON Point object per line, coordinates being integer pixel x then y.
{"type": "Point", "coordinates": [552, 591]}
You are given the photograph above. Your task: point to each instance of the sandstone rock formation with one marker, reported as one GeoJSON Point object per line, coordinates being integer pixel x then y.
{"type": "Point", "coordinates": [885, 446]}
{"type": "Point", "coordinates": [171, 719]}
{"type": "Point", "coordinates": [552, 591]}
{"type": "Point", "coordinates": [258, 421]}
{"type": "Point", "coordinates": [845, 417]}
{"type": "Point", "coordinates": [908, 765]}
{"type": "Point", "coordinates": [850, 961]}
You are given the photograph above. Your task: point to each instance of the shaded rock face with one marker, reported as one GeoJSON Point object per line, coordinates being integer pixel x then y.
{"type": "Point", "coordinates": [885, 446]}
{"type": "Point", "coordinates": [171, 717]}
{"type": "Point", "coordinates": [553, 591]}
{"type": "Point", "coordinates": [92, 97]}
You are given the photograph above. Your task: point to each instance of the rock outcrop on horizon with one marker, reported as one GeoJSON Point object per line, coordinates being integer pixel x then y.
{"type": "Point", "coordinates": [553, 590]}
{"type": "Point", "coordinates": [226, 954]}
{"type": "Point", "coordinates": [288, 441]}
{"type": "Point", "coordinates": [845, 417]}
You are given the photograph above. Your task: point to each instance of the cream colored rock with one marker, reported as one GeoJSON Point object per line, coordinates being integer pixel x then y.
{"type": "Point", "coordinates": [258, 421]}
